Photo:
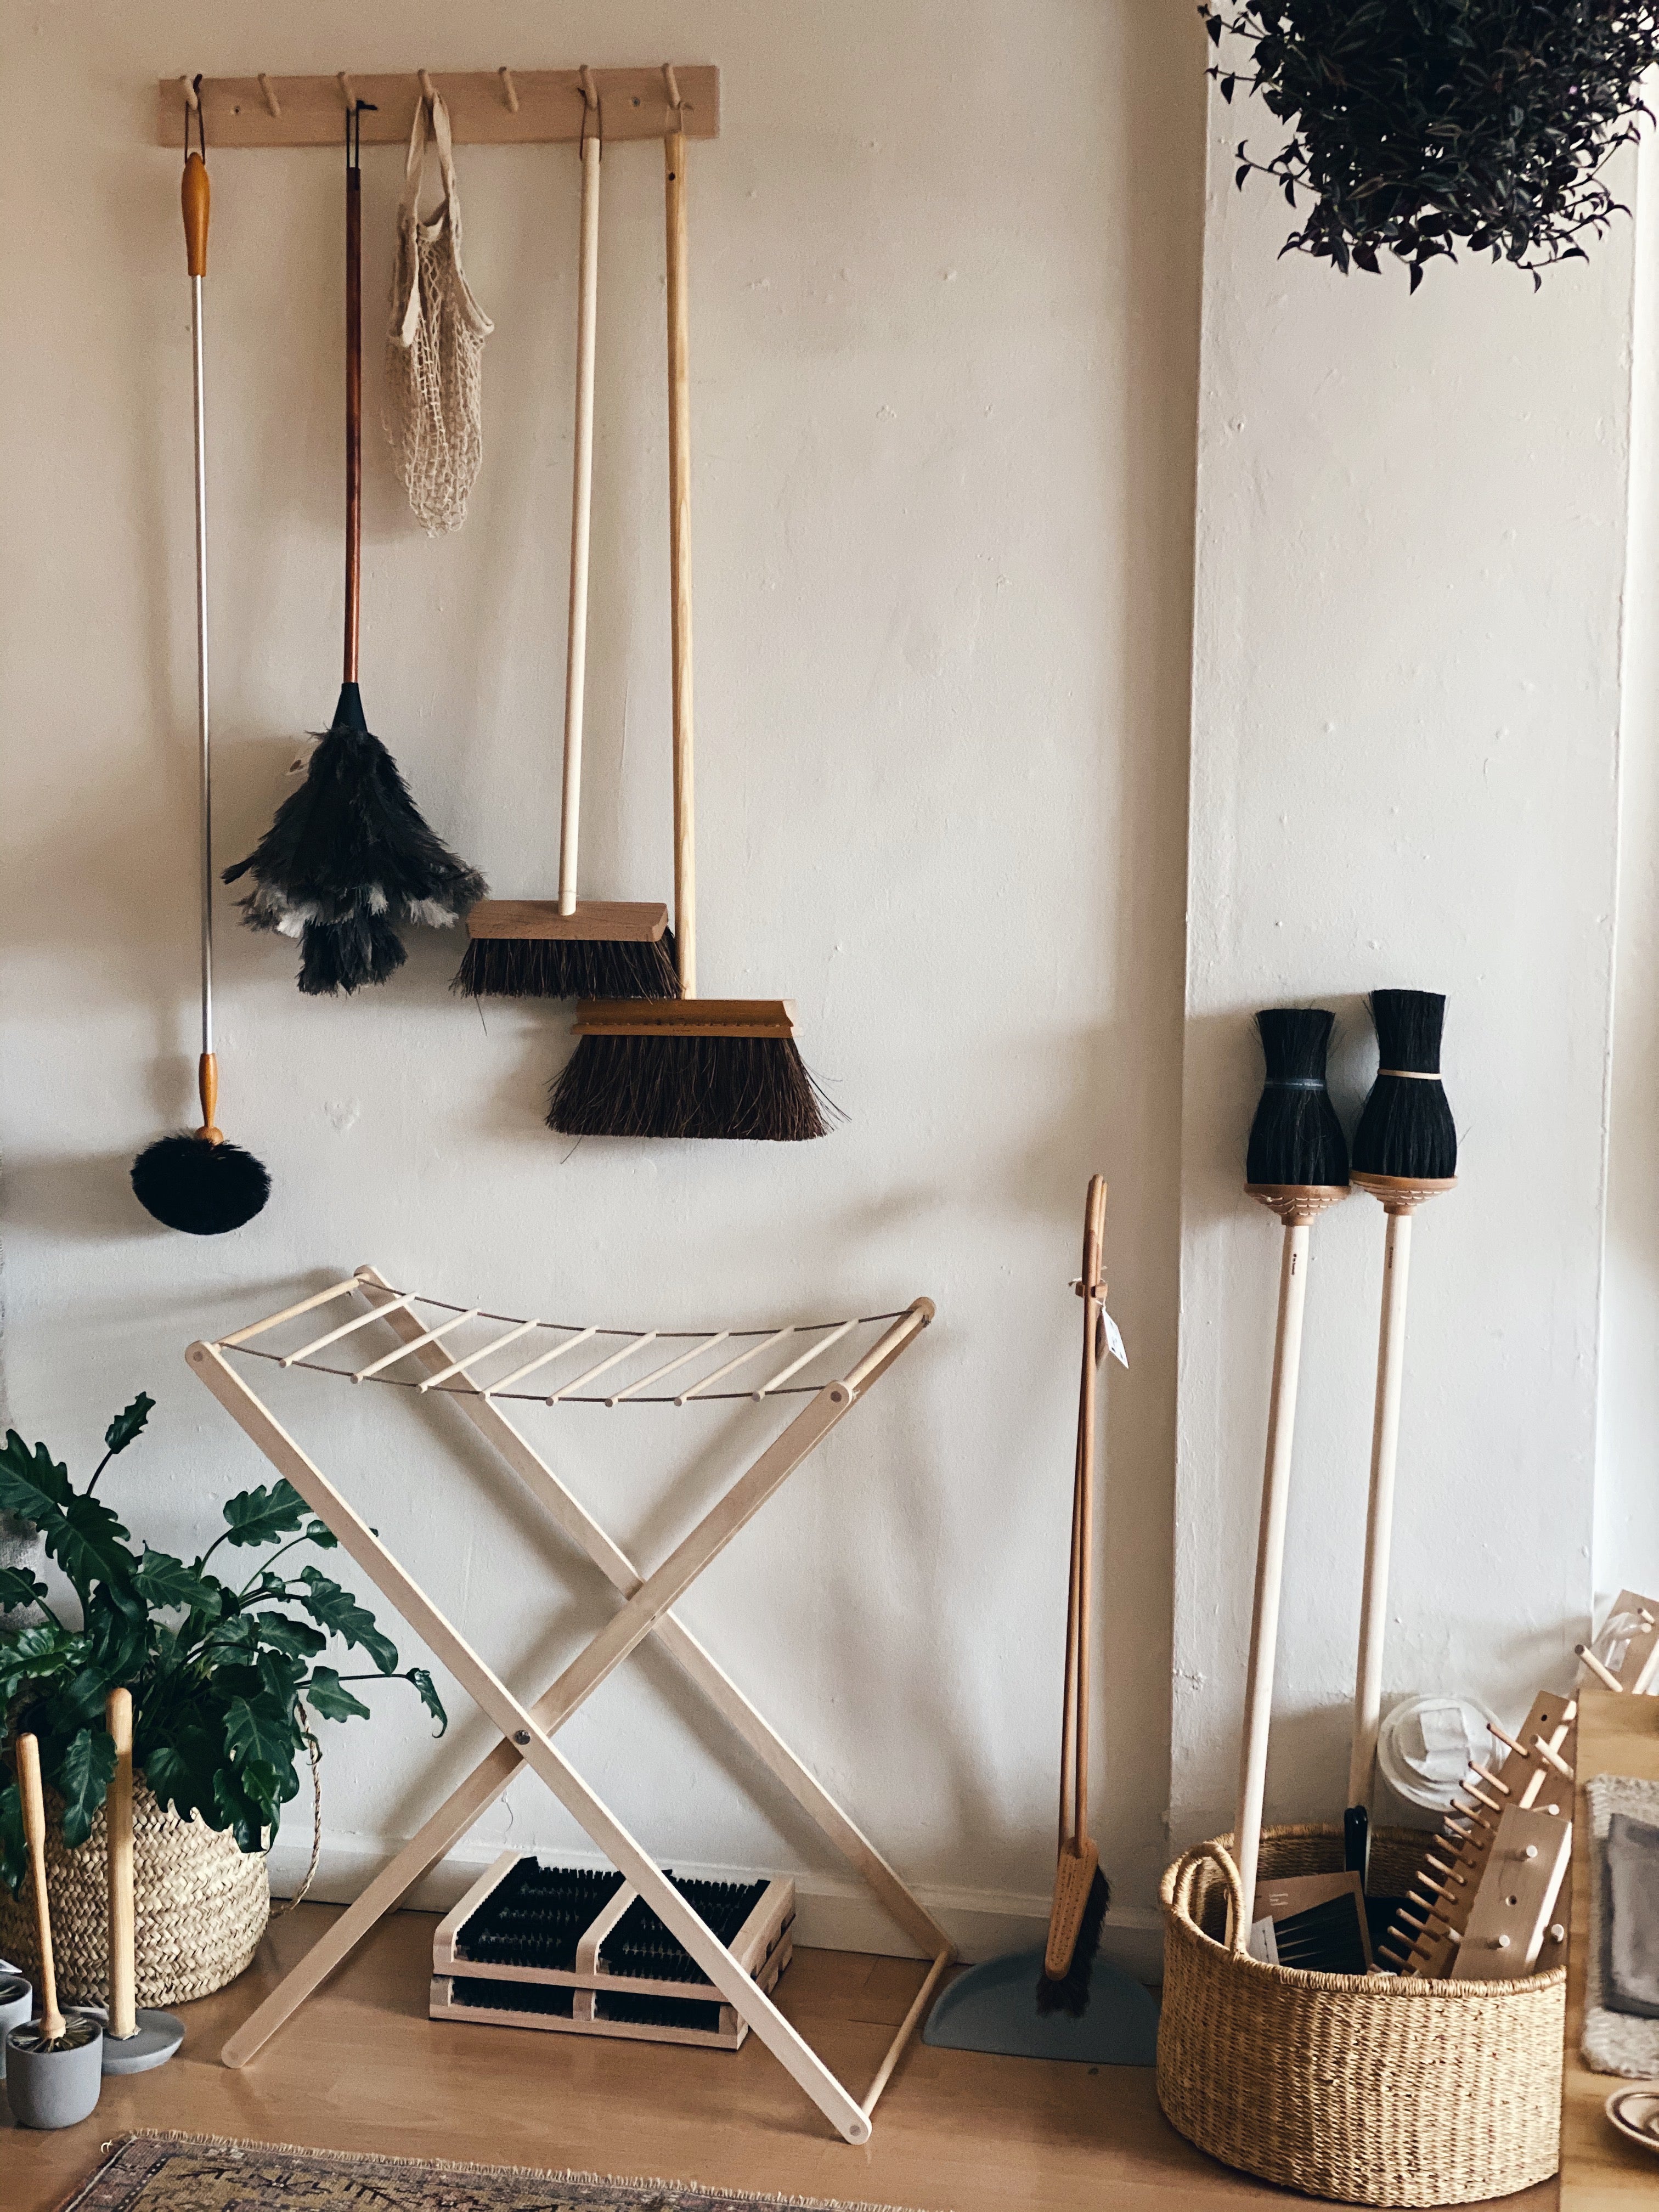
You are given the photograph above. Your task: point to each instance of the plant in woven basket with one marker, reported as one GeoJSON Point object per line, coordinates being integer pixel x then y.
{"type": "Point", "coordinates": [221, 1673]}
{"type": "Point", "coordinates": [1420, 125]}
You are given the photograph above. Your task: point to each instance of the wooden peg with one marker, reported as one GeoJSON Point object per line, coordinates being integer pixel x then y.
{"type": "Point", "coordinates": [347, 90]}
{"type": "Point", "coordinates": [1504, 1737]}
{"type": "Point", "coordinates": [673, 84]}
{"type": "Point", "coordinates": [590, 90]}
{"type": "Point", "coordinates": [509, 90]}
{"type": "Point", "coordinates": [427, 92]}
{"type": "Point", "coordinates": [1516, 1899]}
{"type": "Point", "coordinates": [1487, 1775]}
{"type": "Point", "coordinates": [272, 103]}
{"type": "Point", "coordinates": [1552, 1757]}
{"type": "Point", "coordinates": [1604, 1675]}
{"type": "Point", "coordinates": [189, 90]}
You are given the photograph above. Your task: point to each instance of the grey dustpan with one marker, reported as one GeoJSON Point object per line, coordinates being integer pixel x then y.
{"type": "Point", "coordinates": [993, 2008]}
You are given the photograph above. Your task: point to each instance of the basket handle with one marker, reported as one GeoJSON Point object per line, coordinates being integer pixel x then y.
{"type": "Point", "coordinates": [1181, 1897]}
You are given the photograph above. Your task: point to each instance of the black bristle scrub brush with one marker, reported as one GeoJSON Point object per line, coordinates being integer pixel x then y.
{"type": "Point", "coordinates": [348, 862]}
{"type": "Point", "coordinates": [199, 1183]}
{"type": "Point", "coordinates": [1405, 1150]}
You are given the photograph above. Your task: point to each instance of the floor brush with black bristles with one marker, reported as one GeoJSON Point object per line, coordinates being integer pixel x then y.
{"type": "Point", "coordinates": [195, 1180]}
{"type": "Point", "coordinates": [1405, 1151]}
{"type": "Point", "coordinates": [1296, 1165]}
{"type": "Point", "coordinates": [1081, 1891]}
{"type": "Point", "coordinates": [687, 1066]}
{"type": "Point", "coordinates": [349, 862]}
{"type": "Point", "coordinates": [572, 948]}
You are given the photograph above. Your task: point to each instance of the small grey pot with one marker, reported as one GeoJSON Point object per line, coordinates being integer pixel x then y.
{"type": "Point", "coordinates": [54, 2088]}
{"type": "Point", "coordinates": [16, 2006]}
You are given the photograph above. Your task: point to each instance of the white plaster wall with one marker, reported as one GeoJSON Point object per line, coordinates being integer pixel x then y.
{"type": "Point", "coordinates": [944, 317]}
{"type": "Point", "coordinates": [1405, 729]}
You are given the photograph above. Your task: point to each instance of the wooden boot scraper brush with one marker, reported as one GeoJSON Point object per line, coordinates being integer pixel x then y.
{"type": "Point", "coordinates": [685, 1067]}
{"type": "Point", "coordinates": [572, 948]}
{"type": "Point", "coordinates": [54, 2068]}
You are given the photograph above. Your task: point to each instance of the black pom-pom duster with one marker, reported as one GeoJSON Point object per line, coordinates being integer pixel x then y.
{"type": "Point", "coordinates": [204, 1189]}
{"type": "Point", "coordinates": [1296, 1138]}
{"type": "Point", "coordinates": [1406, 1127]}
{"type": "Point", "coordinates": [348, 862]}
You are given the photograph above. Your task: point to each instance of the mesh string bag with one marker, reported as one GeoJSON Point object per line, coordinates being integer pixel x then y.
{"type": "Point", "coordinates": [434, 347]}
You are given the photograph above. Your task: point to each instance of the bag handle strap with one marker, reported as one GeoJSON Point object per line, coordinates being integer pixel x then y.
{"type": "Point", "coordinates": [1186, 1873]}
{"type": "Point", "coordinates": [415, 167]}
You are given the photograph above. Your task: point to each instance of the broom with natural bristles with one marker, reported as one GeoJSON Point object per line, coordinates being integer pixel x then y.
{"type": "Point", "coordinates": [1082, 1894]}
{"type": "Point", "coordinates": [690, 1066]}
{"type": "Point", "coordinates": [572, 948]}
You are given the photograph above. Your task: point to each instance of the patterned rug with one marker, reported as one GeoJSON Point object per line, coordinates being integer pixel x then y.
{"type": "Point", "coordinates": [205, 2173]}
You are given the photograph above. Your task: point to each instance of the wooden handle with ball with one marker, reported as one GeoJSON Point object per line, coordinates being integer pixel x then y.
{"type": "Point", "coordinates": [117, 1821]}
{"type": "Point", "coordinates": [207, 1082]}
{"type": "Point", "coordinates": [194, 194]}
{"type": "Point", "coordinates": [34, 1832]}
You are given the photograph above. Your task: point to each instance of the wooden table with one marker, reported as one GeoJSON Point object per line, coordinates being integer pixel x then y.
{"type": "Point", "coordinates": [1600, 2172]}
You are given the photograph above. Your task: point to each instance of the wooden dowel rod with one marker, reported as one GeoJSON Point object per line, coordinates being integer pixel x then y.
{"type": "Point", "coordinates": [434, 1335]}
{"type": "Point", "coordinates": [118, 1822]}
{"type": "Point", "coordinates": [908, 2026]}
{"type": "Point", "coordinates": [732, 1365]}
{"type": "Point", "coordinates": [635, 1344]}
{"type": "Point", "coordinates": [1379, 1516]}
{"type": "Point", "coordinates": [889, 1345]}
{"type": "Point", "coordinates": [813, 1351]}
{"type": "Point", "coordinates": [541, 1359]}
{"type": "Point", "coordinates": [509, 90]}
{"type": "Point", "coordinates": [679, 557]}
{"type": "Point", "coordinates": [35, 1833]}
{"type": "Point", "coordinates": [289, 1313]}
{"type": "Point", "coordinates": [669, 1366]}
{"type": "Point", "coordinates": [346, 1327]}
{"type": "Point", "coordinates": [1604, 1675]}
{"type": "Point", "coordinates": [495, 1344]}
{"type": "Point", "coordinates": [1552, 1757]}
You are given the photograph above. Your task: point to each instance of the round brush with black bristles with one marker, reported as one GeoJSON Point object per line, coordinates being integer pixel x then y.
{"type": "Point", "coordinates": [1296, 1165]}
{"type": "Point", "coordinates": [1405, 1150]}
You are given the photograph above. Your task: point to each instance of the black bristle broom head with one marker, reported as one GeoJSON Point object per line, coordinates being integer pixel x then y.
{"type": "Point", "coordinates": [348, 862]}
{"type": "Point", "coordinates": [1295, 1139]}
{"type": "Point", "coordinates": [1069, 1992]}
{"type": "Point", "coordinates": [203, 1189]}
{"type": "Point", "coordinates": [1406, 1127]}
{"type": "Point", "coordinates": [569, 967]}
{"type": "Point", "coordinates": [731, 1087]}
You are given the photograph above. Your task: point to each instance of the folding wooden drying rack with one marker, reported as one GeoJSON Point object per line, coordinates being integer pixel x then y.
{"type": "Point", "coordinates": [429, 1345]}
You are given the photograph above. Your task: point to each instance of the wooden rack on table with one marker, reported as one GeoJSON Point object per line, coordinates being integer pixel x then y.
{"type": "Point", "coordinates": [452, 1350]}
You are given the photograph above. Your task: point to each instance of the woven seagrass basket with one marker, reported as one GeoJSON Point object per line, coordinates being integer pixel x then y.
{"type": "Point", "coordinates": [1362, 2089]}
{"type": "Point", "coordinates": [202, 1907]}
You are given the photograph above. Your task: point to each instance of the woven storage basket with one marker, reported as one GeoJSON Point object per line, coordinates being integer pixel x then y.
{"type": "Point", "coordinates": [1364, 2089]}
{"type": "Point", "coordinates": [202, 1907]}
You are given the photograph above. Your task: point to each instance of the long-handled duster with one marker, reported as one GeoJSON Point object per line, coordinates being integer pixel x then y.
{"type": "Point", "coordinates": [572, 948]}
{"type": "Point", "coordinates": [685, 1067]}
{"type": "Point", "coordinates": [198, 1182]}
{"type": "Point", "coordinates": [1405, 1151]}
{"type": "Point", "coordinates": [348, 862]}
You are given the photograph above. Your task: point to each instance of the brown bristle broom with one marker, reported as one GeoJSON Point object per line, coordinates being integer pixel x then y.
{"type": "Point", "coordinates": [572, 948]}
{"type": "Point", "coordinates": [690, 1066]}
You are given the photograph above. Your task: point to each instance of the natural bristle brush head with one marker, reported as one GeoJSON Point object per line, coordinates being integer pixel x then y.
{"type": "Point", "coordinates": [755, 1088]}
{"type": "Point", "coordinates": [204, 1188]}
{"type": "Point", "coordinates": [1296, 1141]}
{"type": "Point", "coordinates": [569, 967]}
{"type": "Point", "coordinates": [1407, 1133]}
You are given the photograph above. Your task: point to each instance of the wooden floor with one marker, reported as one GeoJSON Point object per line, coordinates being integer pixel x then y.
{"type": "Point", "coordinates": [361, 2068]}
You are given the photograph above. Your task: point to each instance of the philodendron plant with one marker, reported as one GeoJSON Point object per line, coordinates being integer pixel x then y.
{"type": "Point", "coordinates": [220, 1671]}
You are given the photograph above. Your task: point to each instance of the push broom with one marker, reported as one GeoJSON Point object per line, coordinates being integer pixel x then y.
{"type": "Point", "coordinates": [572, 948]}
{"type": "Point", "coordinates": [685, 1067]}
{"type": "Point", "coordinates": [1405, 1151]}
{"type": "Point", "coordinates": [197, 1182]}
{"type": "Point", "coordinates": [349, 862]}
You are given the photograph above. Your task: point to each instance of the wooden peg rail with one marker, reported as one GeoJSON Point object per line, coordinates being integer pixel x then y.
{"type": "Point", "coordinates": [487, 107]}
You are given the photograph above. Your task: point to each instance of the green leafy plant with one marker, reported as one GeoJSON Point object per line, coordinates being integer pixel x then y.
{"type": "Point", "coordinates": [221, 1673]}
{"type": "Point", "coordinates": [1420, 126]}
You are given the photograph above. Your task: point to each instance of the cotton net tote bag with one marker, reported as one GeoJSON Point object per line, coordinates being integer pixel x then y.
{"type": "Point", "coordinates": [434, 348]}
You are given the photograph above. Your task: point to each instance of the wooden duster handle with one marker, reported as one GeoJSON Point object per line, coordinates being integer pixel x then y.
{"type": "Point", "coordinates": [1270, 1565]}
{"type": "Point", "coordinates": [194, 195]}
{"type": "Point", "coordinates": [354, 395]}
{"type": "Point", "coordinates": [582, 502]}
{"type": "Point", "coordinates": [1093, 1229]}
{"type": "Point", "coordinates": [34, 1831]}
{"type": "Point", "coordinates": [1379, 1515]}
{"type": "Point", "coordinates": [207, 1082]}
{"type": "Point", "coordinates": [679, 560]}
{"type": "Point", "coordinates": [118, 1823]}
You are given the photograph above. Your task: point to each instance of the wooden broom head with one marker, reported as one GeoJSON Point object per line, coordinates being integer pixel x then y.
{"type": "Point", "coordinates": [1407, 1140]}
{"type": "Point", "coordinates": [1296, 1143]}
{"type": "Point", "coordinates": [606, 950]}
{"type": "Point", "coordinates": [689, 1068]}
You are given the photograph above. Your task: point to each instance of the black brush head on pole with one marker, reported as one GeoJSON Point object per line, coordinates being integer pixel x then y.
{"type": "Point", "coordinates": [1296, 1138]}
{"type": "Point", "coordinates": [349, 863]}
{"type": "Point", "coordinates": [569, 967]}
{"type": "Point", "coordinates": [1406, 1127]}
{"type": "Point", "coordinates": [1069, 1992]}
{"type": "Point", "coordinates": [732, 1087]}
{"type": "Point", "coordinates": [203, 1189]}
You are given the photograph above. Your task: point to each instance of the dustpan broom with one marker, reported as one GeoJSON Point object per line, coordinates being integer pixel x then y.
{"type": "Point", "coordinates": [349, 862]}
{"type": "Point", "coordinates": [572, 948]}
{"type": "Point", "coordinates": [690, 1066]}
{"type": "Point", "coordinates": [1081, 1892]}
{"type": "Point", "coordinates": [198, 1182]}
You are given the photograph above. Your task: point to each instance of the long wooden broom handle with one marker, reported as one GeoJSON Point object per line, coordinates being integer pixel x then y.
{"type": "Point", "coordinates": [1069, 1707]}
{"type": "Point", "coordinates": [581, 507]}
{"type": "Point", "coordinates": [34, 1831]}
{"type": "Point", "coordinates": [679, 559]}
{"type": "Point", "coordinates": [118, 1823]}
{"type": "Point", "coordinates": [1270, 1559]}
{"type": "Point", "coordinates": [1094, 1228]}
{"type": "Point", "coordinates": [354, 395]}
{"type": "Point", "coordinates": [1379, 1514]}
{"type": "Point", "coordinates": [195, 197]}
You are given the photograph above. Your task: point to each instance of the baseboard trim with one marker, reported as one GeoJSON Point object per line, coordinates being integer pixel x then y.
{"type": "Point", "coordinates": [831, 1914]}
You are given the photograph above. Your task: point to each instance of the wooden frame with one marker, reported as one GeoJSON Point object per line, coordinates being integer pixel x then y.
{"type": "Point", "coordinates": [527, 1731]}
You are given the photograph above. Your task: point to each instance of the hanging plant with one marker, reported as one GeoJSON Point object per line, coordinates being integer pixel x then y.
{"type": "Point", "coordinates": [1421, 125]}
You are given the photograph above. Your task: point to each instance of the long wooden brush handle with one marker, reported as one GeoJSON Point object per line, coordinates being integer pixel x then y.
{"type": "Point", "coordinates": [118, 1823]}
{"type": "Point", "coordinates": [581, 505]}
{"type": "Point", "coordinates": [195, 197]}
{"type": "Point", "coordinates": [679, 559]}
{"type": "Point", "coordinates": [1093, 1230]}
{"type": "Point", "coordinates": [354, 399]}
{"type": "Point", "coordinates": [34, 1832]}
{"type": "Point", "coordinates": [1069, 1737]}
{"type": "Point", "coordinates": [1270, 1563]}
{"type": "Point", "coordinates": [1379, 1515]}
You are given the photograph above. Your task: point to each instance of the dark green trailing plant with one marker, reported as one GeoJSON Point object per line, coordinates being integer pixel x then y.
{"type": "Point", "coordinates": [217, 1671]}
{"type": "Point", "coordinates": [1417, 126]}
